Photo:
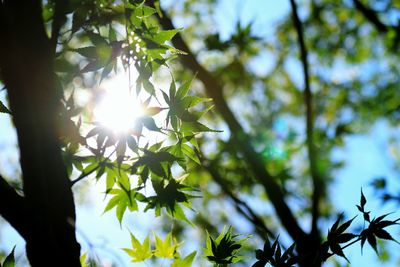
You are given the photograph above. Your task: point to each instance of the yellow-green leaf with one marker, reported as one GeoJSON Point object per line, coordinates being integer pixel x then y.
{"type": "Point", "coordinates": [185, 262]}
{"type": "Point", "coordinates": [83, 260]}
{"type": "Point", "coordinates": [166, 248]}
{"type": "Point", "coordinates": [139, 252]}
{"type": "Point", "coordinates": [4, 109]}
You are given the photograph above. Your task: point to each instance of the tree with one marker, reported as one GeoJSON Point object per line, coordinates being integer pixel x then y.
{"type": "Point", "coordinates": [48, 46]}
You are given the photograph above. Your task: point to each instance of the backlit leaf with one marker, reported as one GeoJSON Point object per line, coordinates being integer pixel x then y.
{"type": "Point", "coordinates": [139, 252]}
{"type": "Point", "coordinates": [165, 248]}
{"type": "Point", "coordinates": [185, 262]}
{"type": "Point", "coordinates": [10, 260]}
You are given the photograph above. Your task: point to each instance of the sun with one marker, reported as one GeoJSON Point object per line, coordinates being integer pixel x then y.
{"type": "Point", "coordinates": [118, 107]}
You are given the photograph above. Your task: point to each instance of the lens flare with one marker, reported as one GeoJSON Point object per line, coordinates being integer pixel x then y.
{"type": "Point", "coordinates": [118, 107]}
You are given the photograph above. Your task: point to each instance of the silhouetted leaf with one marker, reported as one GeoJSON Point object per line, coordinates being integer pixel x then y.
{"type": "Point", "coordinates": [338, 250]}
{"type": "Point", "coordinates": [372, 241]}
{"type": "Point", "coordinates": [346, 237]}
{"type": "Point", "coordinates": [363, 200]}
{"type": "Point", "coordinates": [224, 249]}
{"type": "Point", "coordinates": [380, 233]}
{"type": "Point", "coordinates": [4, 109]}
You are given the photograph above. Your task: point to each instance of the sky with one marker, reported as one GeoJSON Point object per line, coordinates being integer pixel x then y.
{"type": "Point", "coordinates": [364, 154]}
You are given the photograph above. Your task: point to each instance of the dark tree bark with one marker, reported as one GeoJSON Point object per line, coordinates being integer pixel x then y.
{"type": "Point", "coordinates": [26, 63]}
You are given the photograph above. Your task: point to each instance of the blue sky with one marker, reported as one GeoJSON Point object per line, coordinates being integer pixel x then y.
{"type": "Point", "coordinates": [365, 156]}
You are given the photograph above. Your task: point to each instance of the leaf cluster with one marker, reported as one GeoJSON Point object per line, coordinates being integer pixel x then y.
{"type": "Point", "coordinates": [224, 249]}
{"type": "Point", "coordinates": [274, 256]}
{"type": "Point", "coordinates": [337, 235]}
{"type": "Point", "coordinates": [167, 248]}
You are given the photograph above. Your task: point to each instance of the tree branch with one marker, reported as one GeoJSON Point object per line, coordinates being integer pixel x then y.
{"type": "Point", "coordinates": [59, 19]}
{"type": "Point", "coordinates": [214, 89]}
{"type": "Point", "coordinates": [84, 175]}
{"type": "Point", "coordinates": [308, 102]}
{"type": "Point", "coordinates": [371, 16]}
{"type": "Point", "coordinates": [13, 208]}
{"type": "Point", "coordinates": [27, 72]}
{"type": "Point", "coordinates": [240, 205]}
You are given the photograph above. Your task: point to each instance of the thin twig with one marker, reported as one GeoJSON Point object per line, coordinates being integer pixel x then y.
{"type": "Point", "coordinates": [240, 205]}
{"type": "Point", "coordinates": [84, 175]}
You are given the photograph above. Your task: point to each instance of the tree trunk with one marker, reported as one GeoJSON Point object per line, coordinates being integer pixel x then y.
{"type": "Point", "coordinates": [26, 60]}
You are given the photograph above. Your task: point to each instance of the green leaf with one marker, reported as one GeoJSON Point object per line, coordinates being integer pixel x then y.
{"type": "Point", "coordinates": [172, 90]}
{"type": "Point", "coordinates": [139, 252]}
{"type": "Point", "coordinates": [149, 123]}
{"type": "Point", "coordinates": [192, 101]}
{"type": "Point", "coordinates": [121, 208]}
{"type": "Point", "coordinates": [83, 260]}
{"type": "Point", "coordinates": [158, 8]}
{"type": "Point", "coordinates": [112, 35]}
{"type": "Point", "coordinates": [121, 149]}
{"type": "Point", "coordinates": [149, 87]}
{"type": "Point", "coordinates": [224, 249]}
{"type": "Point", "coordinates": [112, 203]}
{"type": "Point", "coordinates": [184, 89]}
{"type": "Point", "coordinates": [122, 199]}
{"type": "Point", "coordinates": [195, 127]}
{"type": "Point", "coordinates": [88, 52]}
{"type": "Point", "coordinates": [97, 39]}
{"type": "Point", "coordinates": [148, 11]}
{"type": "Point", "coordinates": [163, 36]}
{"type": "Point", "coordinates": [107, 69]}
{"type": "Point", "coordinates": [185, 262]}
{"type": "Point", "coordinates": [179, 214]}
{"type": "Point", "coordinates": [10, 260]}
{"type": "Point", "coordinates": [188, 151]}
{"type": "Point", "coordinates": [92, 66]}
{"type": "Point", "coordinates": [4, 109]}
{"type": "Point", "coordinates": [123, 180]}
{"type": "Point", "coordinates": [132, 144]}
{"type": "Point", "coordinates": [166, 248]}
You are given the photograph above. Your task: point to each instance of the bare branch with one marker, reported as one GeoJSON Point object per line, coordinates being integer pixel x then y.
{"type": "Point", "coordinates": [371, 16]}
{"type": "Point", "coordinates": [214, 89]}
{"type": "Point", "coordinates": [308, 101]}
{"type": "Point", "coordinates": [240, 205]}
